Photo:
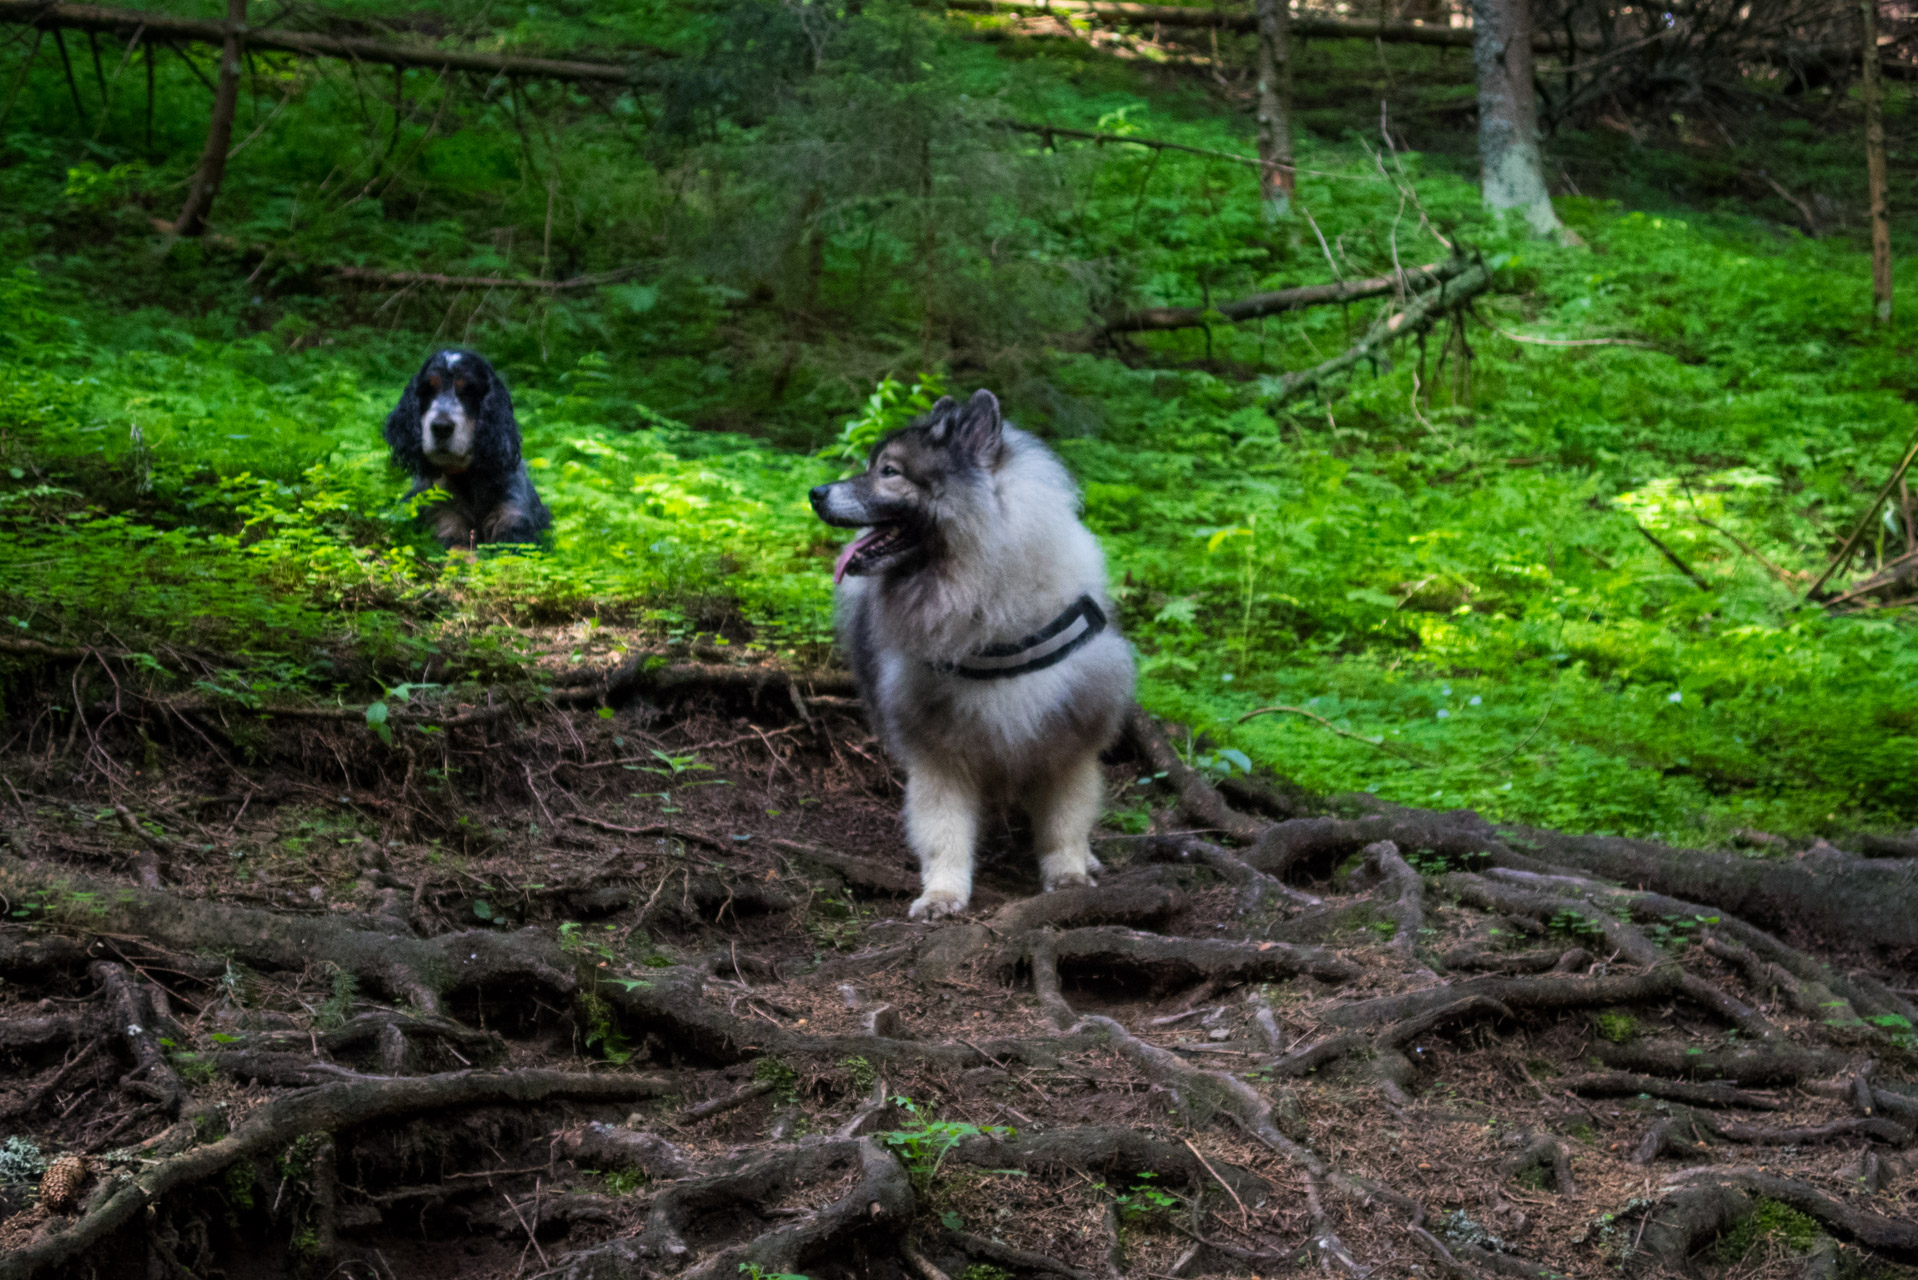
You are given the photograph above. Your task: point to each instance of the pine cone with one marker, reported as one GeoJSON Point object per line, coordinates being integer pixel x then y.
{"type": "Point", "coordinates": [60, 1186]}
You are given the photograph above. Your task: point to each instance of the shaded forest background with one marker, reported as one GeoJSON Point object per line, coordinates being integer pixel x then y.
{"type": "Point", "coordinates": [373, 910]}
{"type": "Point", "coordinates": [805, 213]}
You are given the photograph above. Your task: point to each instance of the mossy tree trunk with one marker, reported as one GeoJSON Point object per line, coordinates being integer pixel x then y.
{"type": "Point", "coordinates": [1513, 171]}
{"type": "Point", "coordinates": [1277, 180]}
{"type": "Point", "coordinates": [219, 130]}
{"type": "Point", "coordinates": [1873, 92]}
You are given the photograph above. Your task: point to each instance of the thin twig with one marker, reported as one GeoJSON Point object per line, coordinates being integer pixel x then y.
{"type": "Point", "coordinates": [1844, 552]}
{"type": "Point", "coordinates": [1571, 342]}
{"type": "Point", "coordinates": [1245, 1219]}
{"type": "Point", "coordinates": [529, 1231]}
{"type": "Point", "coordinates": [1672, 556]}
{"type": "Point", "coordinates": [1343, 733]}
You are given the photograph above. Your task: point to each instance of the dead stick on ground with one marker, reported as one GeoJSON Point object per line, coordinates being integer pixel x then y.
{"type": "Point", "coordinates": [1672, 557]}
{"type": "Point", "coordinates": [1418, 313]}
{"type": "Point", "coordinates": [530, 1237]}
{"type": "Point", "coordinates": [1245, 1219]}
{"type": "Point", "coordinates": [146, 863]}
{"type": "Point", "coordinates": [1343, 733]}
{"type": "Point", "coordinates": [1280, 301]}
{"type": "Point", "coordinates": [167, 27]}
{"type": "Point", "coordinates": [1864, 521]}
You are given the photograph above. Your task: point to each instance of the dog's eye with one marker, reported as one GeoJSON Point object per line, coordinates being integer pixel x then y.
{"type": "Point", "coordinates": [888, 470]}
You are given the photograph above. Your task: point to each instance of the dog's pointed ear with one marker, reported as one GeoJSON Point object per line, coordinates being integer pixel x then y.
{"type": "Point", "coordinates": [977, 429]}
{"type": "Point", "coordinates": [939, 419]}
{"type": "Point", "coordinates": [403, 429]}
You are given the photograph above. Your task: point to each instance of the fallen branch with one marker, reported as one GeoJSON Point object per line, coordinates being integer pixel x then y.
{"type": "Point", "coordinates": [1857, 534]}
{"type": "Point", "coordinates": [863, 872]}
{"type": "Point", "coordinates": [1051, 131]}
{"type": "Point", "coordinates": [1007, 1256]}
{"type": "Point", "coordinates": [1418, 313]}
{"type": "Point", "coordinates": [434, 279]}
{"type": "Point", "coordinates": [1672, 557]}
{"type": "Point", "coordinates": [1152, 319]}
{"type": "Point", "coordinates": [1305, 25]}
{"type": "Point", "coordinates": [155, 26]}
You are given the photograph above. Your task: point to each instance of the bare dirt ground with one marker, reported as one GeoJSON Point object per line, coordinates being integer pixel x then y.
{"type": "Point", "coordinates": [629, 991]}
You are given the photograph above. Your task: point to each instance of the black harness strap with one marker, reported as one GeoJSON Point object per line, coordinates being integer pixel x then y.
{"type": "Point", "coordinates": [1052, 644]}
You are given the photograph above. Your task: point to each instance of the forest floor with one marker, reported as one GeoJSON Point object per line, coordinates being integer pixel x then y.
{"type": "Point", "coordinates": [630, 990]}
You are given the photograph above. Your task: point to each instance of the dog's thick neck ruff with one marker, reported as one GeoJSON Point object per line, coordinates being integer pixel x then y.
{"type": "Point", "coordinates": [1051, 644]}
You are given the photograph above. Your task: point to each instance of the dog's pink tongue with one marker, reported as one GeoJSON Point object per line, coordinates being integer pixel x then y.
{"type": "Point", "coordinates": [846, 554]}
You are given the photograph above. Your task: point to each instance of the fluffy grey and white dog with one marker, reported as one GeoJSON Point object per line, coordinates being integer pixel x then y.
{"type": "Point", "coordinates": [974, 613]}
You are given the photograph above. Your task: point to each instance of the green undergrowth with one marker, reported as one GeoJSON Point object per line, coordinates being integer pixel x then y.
{"type": "Point", "coordinates": [1441, 568]}
{"type": "Point", "coordinates": [229, 496]}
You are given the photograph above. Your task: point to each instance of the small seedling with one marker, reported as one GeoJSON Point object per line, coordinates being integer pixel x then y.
{"type": "Point", "coordinates": [1142, 1201]}
{"type": "Point", "coordinates": [753, 1271]}
{"type": "Point", "coordinates": [927, 1142]}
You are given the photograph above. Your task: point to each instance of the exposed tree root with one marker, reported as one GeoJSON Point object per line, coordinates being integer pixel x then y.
{"type": "Point", "coordinates": [1175, 962]}
{"type": "Point", "coordinates": [1706, 1201]}
{"type": "Point", "coordinates": [1738, 1066]}
{"type": "Point", "coordinates": [1224, 1059]}
{"type": "Point", "coordinates": [1626, 1084]}
{"type": "Point", "coordinates": [1872, 901]}
{"type": "Point", "coordinates": [321, 1110]}
{"type": "Point", "coordinates": [1199, 801]}
{"type": "Point", "coordinates": [879, 1203]}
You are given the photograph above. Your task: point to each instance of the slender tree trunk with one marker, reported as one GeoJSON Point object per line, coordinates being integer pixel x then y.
{"type": "Point", "coordinates": [1513, 173]}
{"type": "Point", "coordinates": [1277, 181]}
{"type": "Point", "coordinates": [1873, 91]}
{"type": "Point", "coordinates": [219, 130]}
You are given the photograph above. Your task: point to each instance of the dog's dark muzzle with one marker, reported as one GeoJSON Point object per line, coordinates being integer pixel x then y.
{"type": "Point", "coordinates": [894, 531]}
{"type": "Point", "coordinates": [836, 508]}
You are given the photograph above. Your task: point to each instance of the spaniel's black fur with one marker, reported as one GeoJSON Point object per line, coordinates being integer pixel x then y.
{"type": "Point", "coordinates": [454, 429]}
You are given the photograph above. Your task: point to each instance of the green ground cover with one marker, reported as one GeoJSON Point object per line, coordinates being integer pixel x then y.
{"type": "Point", "coordinates": [1443, 559]}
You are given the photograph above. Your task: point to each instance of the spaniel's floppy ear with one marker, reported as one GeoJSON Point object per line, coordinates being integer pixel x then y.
{"type": "Point", "coordinates": [403, 428]}
{"type": "Point", "coordinates": [496, 443]}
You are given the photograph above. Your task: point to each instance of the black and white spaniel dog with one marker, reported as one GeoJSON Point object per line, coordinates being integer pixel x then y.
{"type": "Point", "coordinates": [454, 430]}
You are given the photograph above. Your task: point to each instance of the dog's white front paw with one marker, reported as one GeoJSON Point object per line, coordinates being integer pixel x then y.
{"type": "Point", "coordinates": [936, 904]}
{"type": "Point", "coordinates": [1067, 871]}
